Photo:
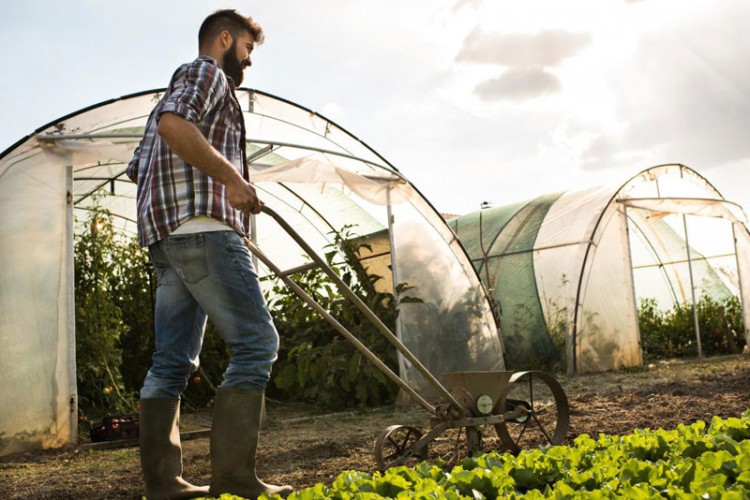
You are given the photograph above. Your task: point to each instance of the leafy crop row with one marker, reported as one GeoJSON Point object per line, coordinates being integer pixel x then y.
{"type": "Point", "coordinates": [695, 461]}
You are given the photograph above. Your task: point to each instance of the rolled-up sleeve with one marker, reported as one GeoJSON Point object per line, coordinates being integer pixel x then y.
{"type": "Point", "coordinates": [132, 170]}
{"type": "Point", "coordinates": [195, 88]}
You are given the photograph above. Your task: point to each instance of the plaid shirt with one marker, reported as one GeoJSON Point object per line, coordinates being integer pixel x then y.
{"type": "Point", "coordinates": [170, 191]}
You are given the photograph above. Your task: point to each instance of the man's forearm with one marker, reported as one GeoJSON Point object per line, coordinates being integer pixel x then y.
{"type": "Point", "coordinates": [187, 142]}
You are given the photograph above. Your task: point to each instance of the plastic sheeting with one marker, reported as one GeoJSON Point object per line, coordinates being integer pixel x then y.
{"type": "Point", "coordinates": [561, 249]}
{"type": "Point", "coordinates": [742, 238]}
{"type": "Point", "coordinates": [505, 261]}
{"type": "Point", "coordinates": [324, 181]}
{"type": "Point", "coordinates": [320, 169]}
{"type": "Point", "coordinates": [452, 328]}
{"type": "Point", "coordinates": [606, 332]}
{"type": "Point", "coordinates": [568, 270]}
{"type": "Point", "coordinates": [688, 206]}
{"type": "Point", "coordinates": [36, 306]}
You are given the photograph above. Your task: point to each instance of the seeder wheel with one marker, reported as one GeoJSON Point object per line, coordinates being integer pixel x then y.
{"type": "Point", "coordinates": [545, 413]}
{"type": "Point", "coordinates": [393, 444]}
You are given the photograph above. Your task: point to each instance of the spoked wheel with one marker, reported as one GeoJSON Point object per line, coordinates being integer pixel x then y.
{"type": "Point", "coordinates": [542, 411]}
{"type": "Point", "coordinates": [392, 446]}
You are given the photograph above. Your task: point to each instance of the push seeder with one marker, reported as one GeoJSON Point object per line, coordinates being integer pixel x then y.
{"type": "Point", "coordinates": [527, 408]}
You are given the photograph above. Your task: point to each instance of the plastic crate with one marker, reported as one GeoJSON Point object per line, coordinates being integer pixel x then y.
{"type": "Point", "coordinates": [114, 428]}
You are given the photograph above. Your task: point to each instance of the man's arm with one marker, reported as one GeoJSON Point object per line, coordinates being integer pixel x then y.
{"type": "Point", "coordinates": [187, 142]}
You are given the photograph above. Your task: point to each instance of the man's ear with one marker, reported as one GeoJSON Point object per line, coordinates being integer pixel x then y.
{"type": "Point", "coordinates": [225, 39]}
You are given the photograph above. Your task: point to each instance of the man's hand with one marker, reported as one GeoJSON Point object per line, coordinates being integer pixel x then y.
{"type": "Point", "coordinates": [242, 197]}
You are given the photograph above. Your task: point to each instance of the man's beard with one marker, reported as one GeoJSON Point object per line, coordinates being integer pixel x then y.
{"type": "Point", "coordinates": [231, 66]}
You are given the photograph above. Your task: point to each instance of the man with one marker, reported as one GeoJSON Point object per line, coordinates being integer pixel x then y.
{"type": "Point", "coordinates": [193, 203]}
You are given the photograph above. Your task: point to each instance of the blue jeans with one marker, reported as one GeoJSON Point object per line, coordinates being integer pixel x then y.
{"type": "Point", "coordinates": [208, 274]}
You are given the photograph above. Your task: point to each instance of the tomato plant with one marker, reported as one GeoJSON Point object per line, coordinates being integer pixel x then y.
{"type": "Point", "coordinates": [315, 363]}
{"type": "Point", "coordinates": [99, 319]}
{"type": "Point", "coordinates": [671, 333]}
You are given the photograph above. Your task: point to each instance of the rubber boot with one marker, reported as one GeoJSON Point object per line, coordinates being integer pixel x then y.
{"type": "Point", "coordinates": [234, 441]}
{"type": "Point", "coordinates": [161, 453]}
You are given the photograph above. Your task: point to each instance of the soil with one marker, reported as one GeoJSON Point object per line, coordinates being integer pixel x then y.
{"type": "Point", "coordinates": [300, 446]}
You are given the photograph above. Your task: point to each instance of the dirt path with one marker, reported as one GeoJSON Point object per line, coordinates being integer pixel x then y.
{"type": "Point", "coordinates": [300, 450]}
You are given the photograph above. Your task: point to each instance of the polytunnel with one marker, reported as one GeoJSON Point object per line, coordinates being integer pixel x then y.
{"type": "Point", "coordinates": [317, 176]}
{"type": "Point", "coordinates": [566, 270]}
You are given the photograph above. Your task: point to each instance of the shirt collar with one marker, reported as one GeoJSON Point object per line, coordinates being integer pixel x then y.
{"type": "Point", "coordinates": [216, 63]}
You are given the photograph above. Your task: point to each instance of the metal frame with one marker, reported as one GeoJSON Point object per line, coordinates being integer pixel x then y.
{"type": "Point", "coordinates": [250, 140]}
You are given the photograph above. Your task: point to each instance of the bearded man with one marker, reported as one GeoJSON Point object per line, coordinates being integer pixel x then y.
{"type": "Point", "coordinates": [193, 205]}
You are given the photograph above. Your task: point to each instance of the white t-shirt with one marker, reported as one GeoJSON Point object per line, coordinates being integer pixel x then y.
{"type": "Point", "coordinates": [201, 224]}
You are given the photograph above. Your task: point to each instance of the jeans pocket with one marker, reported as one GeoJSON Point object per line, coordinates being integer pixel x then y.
{"type": "Point", "coordinates": [187, 255]}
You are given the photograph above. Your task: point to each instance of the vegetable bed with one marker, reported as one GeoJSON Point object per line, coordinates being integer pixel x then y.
{"type": "Point", "coordinates": [691, 461]}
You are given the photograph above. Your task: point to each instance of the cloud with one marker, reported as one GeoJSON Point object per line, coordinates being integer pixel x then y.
{"type": "Point", "coordinates": [600, 153]}
{"type": "Point", "coordinates": [547, 48]}
{"type": "Point", "coordinates": [465, 3]}
{"type": "Point", "coordinates": [518, 84]}
{"type": "Point", "coordinates": [682, 99]}
{"type": "Point", "coordinates": [611, 151]}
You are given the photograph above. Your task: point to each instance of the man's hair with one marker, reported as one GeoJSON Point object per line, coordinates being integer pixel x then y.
{"type": "Point", "coordinates": [228, 20]}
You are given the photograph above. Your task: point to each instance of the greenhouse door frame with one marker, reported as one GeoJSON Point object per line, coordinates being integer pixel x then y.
{"type": "Point", "coordinates": [689, 260]}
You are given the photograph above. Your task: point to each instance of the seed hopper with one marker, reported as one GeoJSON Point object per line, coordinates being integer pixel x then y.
{"type": "Point", "coordinates": [527, 408]}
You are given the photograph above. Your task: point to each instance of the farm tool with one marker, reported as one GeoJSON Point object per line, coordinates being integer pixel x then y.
{"type": "Point", "coordinates": [527, 408]}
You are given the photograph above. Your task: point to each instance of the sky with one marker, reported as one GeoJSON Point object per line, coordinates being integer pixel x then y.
{"type": "Point", "coordinates": [472, 100]}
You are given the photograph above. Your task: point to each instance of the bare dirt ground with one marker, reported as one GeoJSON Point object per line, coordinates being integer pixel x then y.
{"type": "Point", "coordinates": [302, 447]}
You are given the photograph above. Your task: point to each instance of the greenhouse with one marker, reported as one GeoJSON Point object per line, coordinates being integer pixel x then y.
{"type": "Point", "coordinates": [566, 271]}
{"type": "Point", "coordinates": [320, 178]}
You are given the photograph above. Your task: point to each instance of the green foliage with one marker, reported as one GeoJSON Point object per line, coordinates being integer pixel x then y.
{"type": "Point", "coordinates": [110, 291]}
{"type": "Point", "coordinates": [535, 336]}
{"type": "Point", "coordinates": [694, 461]}
{"type": "Point", "coordinates": [133, 289]}
{"type": "Point", "coordinates": [315, 363]}
{"type": "Point", "coordinates": [671, 334]}
{"type": "Point", "coordinates": [558, 324]}
{"type": "Point", "coordinates": [115, 293]}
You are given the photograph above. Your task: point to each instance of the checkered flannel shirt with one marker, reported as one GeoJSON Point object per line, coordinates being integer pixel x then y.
{"type": "Point", "coordinates": [170, 191]}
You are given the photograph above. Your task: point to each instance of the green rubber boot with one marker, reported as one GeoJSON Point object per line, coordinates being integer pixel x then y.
{"type": "Point", "coordinates": [234, 441]}
{"type": "Point", "coordinates": [161, 453]}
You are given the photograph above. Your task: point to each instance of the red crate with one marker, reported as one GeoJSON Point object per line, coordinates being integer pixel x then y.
{"type": "Point", "coordinates": [114, 428]}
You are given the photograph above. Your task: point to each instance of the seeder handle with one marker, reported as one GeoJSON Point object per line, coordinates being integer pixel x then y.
{"type": "Point", "coordinates": [384, 330]}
